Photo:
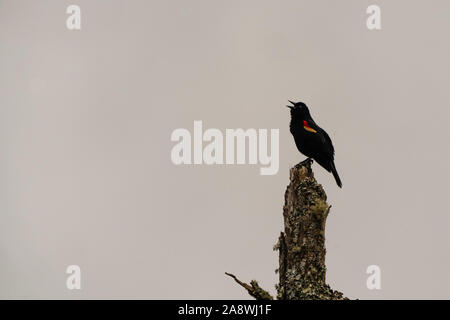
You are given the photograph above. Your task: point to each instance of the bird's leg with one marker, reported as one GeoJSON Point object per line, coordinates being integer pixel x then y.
{"type": "Point", "coordinates": [308, 161]}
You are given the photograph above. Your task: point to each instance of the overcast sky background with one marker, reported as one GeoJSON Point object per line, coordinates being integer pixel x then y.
{"type": "Point", "coordinates": [85, 124]}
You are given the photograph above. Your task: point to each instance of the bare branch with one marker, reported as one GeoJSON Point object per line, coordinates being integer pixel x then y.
{"type": "Point", "coordinates": [253, 288]}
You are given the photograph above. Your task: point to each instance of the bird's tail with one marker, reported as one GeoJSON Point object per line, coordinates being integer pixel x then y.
{"type": "Point", "coordinates": [335, 174]}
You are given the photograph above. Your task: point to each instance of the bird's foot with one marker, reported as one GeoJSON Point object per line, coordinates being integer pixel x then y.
{"type": "Point", "coordinates": [307, 162]}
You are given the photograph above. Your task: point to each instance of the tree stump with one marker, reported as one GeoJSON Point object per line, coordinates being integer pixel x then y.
{"type": "Point", "coordinates": [302, 244]}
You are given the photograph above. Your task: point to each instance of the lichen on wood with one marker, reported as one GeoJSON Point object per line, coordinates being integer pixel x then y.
{"type": "Point", "coordinates": [253, 289]}
{"type": "Point", "coordinates": [301, 246]}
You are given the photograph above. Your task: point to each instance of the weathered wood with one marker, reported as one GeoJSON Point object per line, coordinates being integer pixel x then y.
{"type": "Point", "coordinates": [253, 288]}
{"type": "Point", "coordinates": [301, 246]}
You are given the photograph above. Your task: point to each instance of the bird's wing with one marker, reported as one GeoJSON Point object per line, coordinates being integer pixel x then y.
{"type": "Point", "coordinates": [327, 142]}
{"type": "Point", "coordinates": [323, 139]}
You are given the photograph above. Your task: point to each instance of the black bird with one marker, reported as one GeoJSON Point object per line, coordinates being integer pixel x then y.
{"type": "Point", "coordinates": [312, 140]}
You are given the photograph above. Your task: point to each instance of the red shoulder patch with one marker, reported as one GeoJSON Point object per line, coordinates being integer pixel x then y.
{"type": "Point", "coordinates": [307, 127]}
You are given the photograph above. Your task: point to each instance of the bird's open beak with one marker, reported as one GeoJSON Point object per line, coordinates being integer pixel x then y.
{"type": "Point", "coordinates": [291, 107]}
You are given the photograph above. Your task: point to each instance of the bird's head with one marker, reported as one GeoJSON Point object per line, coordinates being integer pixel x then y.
{"type": "Point", "coordinates": [298, 109]}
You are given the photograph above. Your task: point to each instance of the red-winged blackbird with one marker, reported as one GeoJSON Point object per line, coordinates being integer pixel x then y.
{"type": "Point", "coordinates": [312, 140]}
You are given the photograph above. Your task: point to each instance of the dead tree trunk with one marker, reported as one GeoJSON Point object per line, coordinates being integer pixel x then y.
{"type": "Point", "coordinates": [302, 244]}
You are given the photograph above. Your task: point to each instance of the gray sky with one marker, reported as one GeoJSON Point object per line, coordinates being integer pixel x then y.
{"type": "Point", "coordinates": [85, 124]}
